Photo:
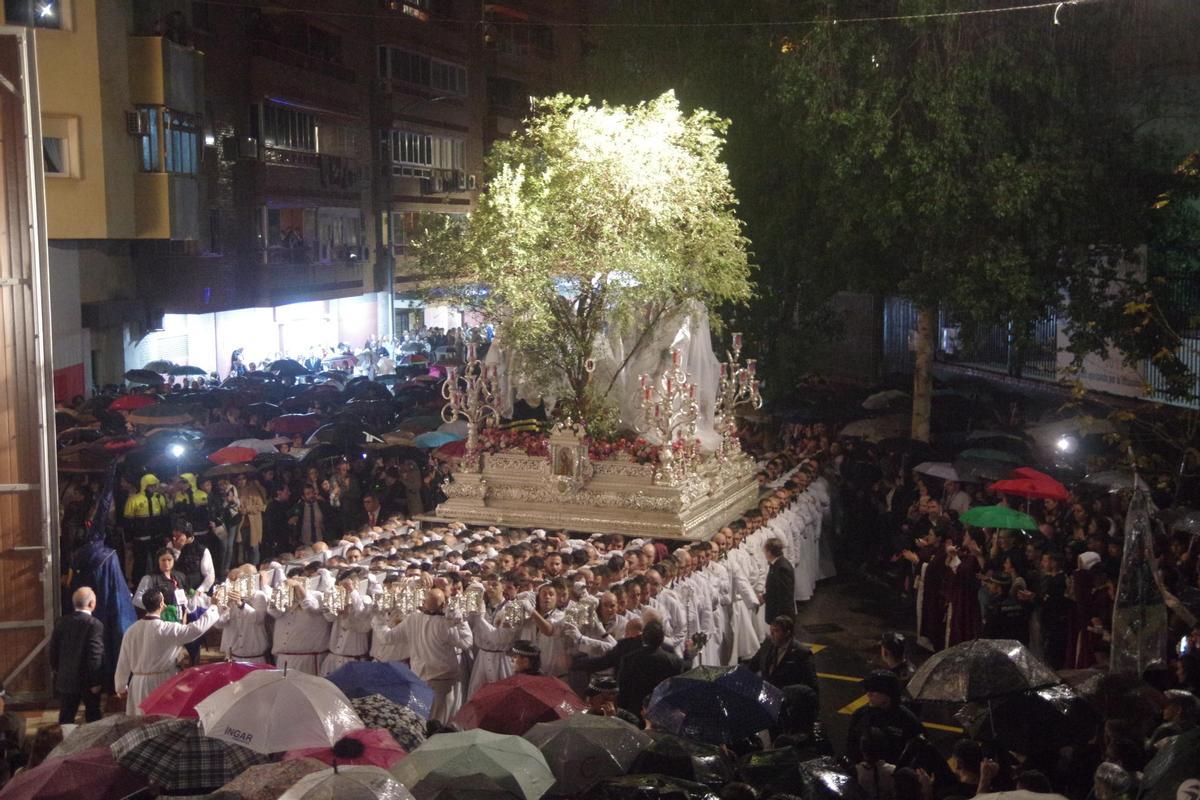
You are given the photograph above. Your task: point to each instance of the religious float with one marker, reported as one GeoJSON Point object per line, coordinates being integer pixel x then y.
{"type": "Point", "coordinates": [683, 476]}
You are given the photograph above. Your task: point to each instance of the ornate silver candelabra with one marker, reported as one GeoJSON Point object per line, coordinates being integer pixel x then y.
{"type": "Point", "coordinates": [470, 394]}
{"type": "Point", "coordinates": [737, 386]}
{"type": "Point", "coordinates": [670, 410]}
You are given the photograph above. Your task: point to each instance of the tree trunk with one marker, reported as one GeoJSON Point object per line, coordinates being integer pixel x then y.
{"type": "Point", "coordinates": [922, 395]}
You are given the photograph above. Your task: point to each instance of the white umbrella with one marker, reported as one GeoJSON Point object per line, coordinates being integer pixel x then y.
{"type": "Point", "coordinates": [257, 445]}
{"type": "Point", "coordinates": [938, 469]}
{"type": "Point", "coordinates": [1116, 480]}
{"type": "Point", "coordinates": [348, 783]}
{"type": "Point", "coordinates": [881, 401]}
{"type": "Point", "coordinates": [279, 710]}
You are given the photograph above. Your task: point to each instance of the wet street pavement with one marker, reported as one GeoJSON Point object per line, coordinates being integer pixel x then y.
{"type": "Point", "coordinates": [842, 623]}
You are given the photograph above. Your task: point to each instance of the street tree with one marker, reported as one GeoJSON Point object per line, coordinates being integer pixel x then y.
{"type": "Point", "coordinates": [594, 220]}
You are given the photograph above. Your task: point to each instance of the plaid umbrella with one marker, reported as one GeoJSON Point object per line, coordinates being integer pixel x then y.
{"type": "Point", "coordinates": [100, 733]}
{"type": "Point", "coordinates": [405, 725]}
{"type": "Point", "coordinates": [176, 755]}
{"type": "Point", "coordinates": [89, 773]}
{"type": "Point", "coordinates": [269, 781]}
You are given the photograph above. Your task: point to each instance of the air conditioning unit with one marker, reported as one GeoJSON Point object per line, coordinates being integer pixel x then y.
{"type": "Point", "coordinates": [472, 182]}
{"type": "Point", "coordinates": [460, 180]}
{"type": "Point", "coordinates": [136, 124]}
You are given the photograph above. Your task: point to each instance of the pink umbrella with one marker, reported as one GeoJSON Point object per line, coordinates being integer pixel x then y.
{"type": "Point", "coordinates": [178, 696]}
{"type": "Point", "coordinates": [372, 747]}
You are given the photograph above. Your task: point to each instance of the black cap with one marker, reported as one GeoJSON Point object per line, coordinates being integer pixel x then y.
{"type": "Point", "coordinates": [526, 648]}
{"type": "Point", "coordinates": [883, 681]}
{"type": "Point", "coordinates": [602, 683]}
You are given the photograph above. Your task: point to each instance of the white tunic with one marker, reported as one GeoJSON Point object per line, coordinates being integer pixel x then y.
{"type": "Point", "coordinates": [247, 630]}
{"type": "Point", "coordinates": [434, 642]}
{"type": "Point", "coordinates": [492, 642]}
{"type": "Point", "coordinates": [301, 636]}
{"type": "Point", "coordinates": [349, 636]}
{"type": "Point", "coordinates": [148, 651]}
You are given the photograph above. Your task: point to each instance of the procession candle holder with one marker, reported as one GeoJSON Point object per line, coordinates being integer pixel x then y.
{"type": "Point", "coordinates": [737, 386]}
{"type": "Point", "coordinates": [670, 410]}
{"type": "Point", "coordinates": [471, 395]}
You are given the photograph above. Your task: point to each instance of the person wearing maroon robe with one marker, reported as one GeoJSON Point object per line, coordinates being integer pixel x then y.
{"type": "Point", "coordinates": [1083, 608]}
{"type": "Point", "coordinates": [964, 615]}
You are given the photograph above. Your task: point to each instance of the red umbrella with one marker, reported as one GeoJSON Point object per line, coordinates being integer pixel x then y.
{"type": "Point", "coordinates": [132, 402]}
{"type": "Point", "coordinates": [370, 747]}
{"type": "Point", "coordinates": [89, 773]}
{"type": "Point", "coordinates": [289, 424]}
{"type": "Point", "coordinates": [452, 450]}
{"type": "Point", "coordinates": [516, 704]}
{"type": "Point", "coordinates": [1031, 484]}
{"type": "Point", "coordinates": [232, 455]}
{"type": "Point", "coordinates": [178, 696]}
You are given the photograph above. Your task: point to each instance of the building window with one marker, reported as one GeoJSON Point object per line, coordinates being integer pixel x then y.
{"type": "Point", "coordinates": [407, 225]}
{"type": "Point", "coordinates": [168, 140]}
{"type": "Point", "coordinates": [417, 155]}
{"type": "Point", "coordinates": [36, 13]}
{"type": "Point", "coordinates": [55, 156]}
{"type": "Point", "coordinates": [398, 64]}
{"type": "Point", "coordinates": [288, 128]}
{"type": "Point", "coordinates": [505, 93]}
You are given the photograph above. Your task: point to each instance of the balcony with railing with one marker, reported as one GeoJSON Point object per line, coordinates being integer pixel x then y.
{"type": "Point", "coordinates": [313, 62]}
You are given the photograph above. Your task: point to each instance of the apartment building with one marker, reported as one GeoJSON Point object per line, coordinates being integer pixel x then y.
{"type": "Point", "coordinates": [255, 170]}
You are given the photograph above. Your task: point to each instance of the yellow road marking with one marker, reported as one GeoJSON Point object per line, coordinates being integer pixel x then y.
{"type": "Point", "coordinates": [937, 726]}
{"type": "Point", "coordinates": [832, 677]}
{"type": "Point", "coordinates": [852, 707]}
{"type": "Point", "coordinates": [816, 648]}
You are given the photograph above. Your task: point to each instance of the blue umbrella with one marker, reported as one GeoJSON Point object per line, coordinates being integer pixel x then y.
{"type": "Point", "coordinates": [432, 439]}
{"type": "Point", "coordinates": [391, 679]}
{"type": "Point", "coordinates": [718, 705]}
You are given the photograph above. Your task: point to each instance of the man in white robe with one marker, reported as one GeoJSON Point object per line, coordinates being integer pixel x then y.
{"type": "Point", "coordinates": [434, 642]}
{"type": "Point", "coordinates": [492, 637]}
{"type": "Point", "coordinates": [149, 650]}
{"type": "Point", "coordinates": [350, 631]}
{"type": "Point", "coordinates": [301, 636]}
{"type": "Point", "coordinates": [666, 601]}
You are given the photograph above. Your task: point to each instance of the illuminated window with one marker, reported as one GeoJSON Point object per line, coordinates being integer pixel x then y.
{"type": "Point", "coordinates": [36, 13]}
{"type": "Point", "coordinates": [288, 128]}
{"type": "Point", "coordinates": [417, 154]}
{"type": "Point", "coordinates": [168, 140]}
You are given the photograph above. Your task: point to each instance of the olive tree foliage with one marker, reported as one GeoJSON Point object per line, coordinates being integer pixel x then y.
{"type": "Point", "coordinates": [596, 220]}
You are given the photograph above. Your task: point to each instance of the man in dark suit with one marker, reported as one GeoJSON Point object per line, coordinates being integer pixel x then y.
{"type": "Point", "coordinates": [783, 661]}
{"type": "Point", "coordinates": [645, 668]}
{"type": "Point", "coordinates": [779, 595]}
{"type": "Point", "coordinates": [77, 658]}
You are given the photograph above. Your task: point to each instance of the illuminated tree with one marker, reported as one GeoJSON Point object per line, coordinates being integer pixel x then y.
{"type": "Point", "coordinates": [595, 220]}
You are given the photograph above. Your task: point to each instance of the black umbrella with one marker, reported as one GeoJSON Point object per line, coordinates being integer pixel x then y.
{"type": "Point", "coordinates": [288, 367]}
{"type": "Point", "coordinates": [1037, 721]}
{"type": "Point", "coordinates": [673, 755]}
{"type": "Point", "coordinates": [185, 369]}
{"type": "Point", "coordinates": [143, 376]}
{"type": "Point", "coordinates": [1116, 695]}
{"type": "Point", "coordinates": [274, 460]}
{"type": "Point", "coordinates": [77, 436]}
{"type": "Point", "coordinates": [161, 365]}
{"type": "Point", "coordinates": [1174, 772]}
{"type": "Point", "coordinates": [346, 435]}
{"type": "Point", "coordinates": [321, 451]}
{"type": "Point", "coordinates": [978, 671]}
{"type": "Point", "coordinates": [265, 411]}
{"type": "Point", "coordinates": [648, 787]}
{"type": "Point", "coordinates": [368, 390]}
{"type": "Point", "coordinates": [333, 375]}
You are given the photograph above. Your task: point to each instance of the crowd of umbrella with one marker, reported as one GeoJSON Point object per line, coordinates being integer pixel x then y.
{"type": "Point", "coordinates": [254, 732]}
{"type": "Point", "coordinates": [388, 416]}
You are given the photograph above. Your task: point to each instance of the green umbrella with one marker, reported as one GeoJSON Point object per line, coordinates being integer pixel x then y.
{"type": "Point", "coordinates": [508, 761]}
{"type": "Point", "coordinates": [998, 517]}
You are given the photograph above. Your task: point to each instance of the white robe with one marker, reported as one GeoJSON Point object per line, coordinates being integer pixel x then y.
{"type": "Point", "coordinates": [301, 637]}
{"type": "Point", "coordinates": [350, 634]}
{"type": "Point", "coordinates": [434, 642]}
{"type": "Point", "coordinates": [148, 651]}
{"type": "Point", "coordinates": [247, 628]}
{"type": "Point", "coordinates": [492, 642]}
